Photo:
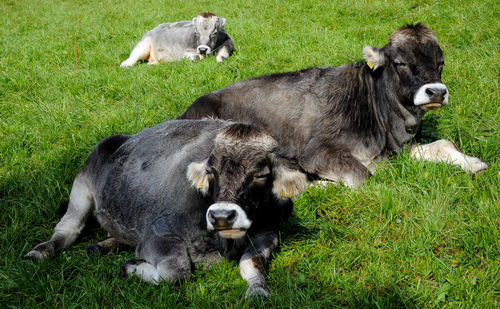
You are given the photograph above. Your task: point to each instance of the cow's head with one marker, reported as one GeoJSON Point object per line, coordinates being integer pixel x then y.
{"type": "Point", "coordinates": [412, 64]}
{"type": "Point", "coordinates": [243, 175]}
{"type": "Point", "coordinates": [206, 27]}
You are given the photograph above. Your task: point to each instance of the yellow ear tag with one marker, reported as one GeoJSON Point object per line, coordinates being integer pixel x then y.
{"type": "Point", "coordinates": [284, 194]}
{"type": "Point", "coordinates": [200, 187]}
{"type": "Point", "coordinates": [370, 65]}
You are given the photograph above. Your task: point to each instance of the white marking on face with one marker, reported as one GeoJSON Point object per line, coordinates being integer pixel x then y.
{"type": "Point", "coordinates": [242, 222]}
{"type": "Point", "coordinates": [423, 97]}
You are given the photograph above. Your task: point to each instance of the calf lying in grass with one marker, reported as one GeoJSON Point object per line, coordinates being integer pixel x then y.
{"type": "Point", "coordinates": [184, 39]}
{"type": "Point", "coordinates": [184, 192]}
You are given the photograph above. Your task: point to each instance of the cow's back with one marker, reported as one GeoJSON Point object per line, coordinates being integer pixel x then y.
{"type": "Point", "coordinates": [288, 104]}
{"type": "Point", "coordinates": [177, 35]}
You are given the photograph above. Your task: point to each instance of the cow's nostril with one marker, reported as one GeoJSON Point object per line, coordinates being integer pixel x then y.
{"type": "Point", "coordinates": [430, 91]}
{"type": "Point", "coordinates": [436, 91]}
{"type": "Point", "coordinates": [231, 216]}
{"type": "Point", "coordinates": [211, 217]}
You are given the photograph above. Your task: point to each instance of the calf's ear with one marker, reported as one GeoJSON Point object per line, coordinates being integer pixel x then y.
{"type": "Point", "coordinates": [373, 56]}
{"type": "Point", "coordinates": [198, 176]}
{"type": "Point", "coordinates": [221, 22]}
{"type": "Point", "coordinates": [287, 182]}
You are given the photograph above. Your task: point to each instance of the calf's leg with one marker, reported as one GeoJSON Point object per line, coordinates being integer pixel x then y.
{"type": "Point", "coordinates": [225, 50]}
{"type": "Point", "coordinates": [446, 151]}
{"type": "Point", "coordinates": [140, 52]}
{"type": "Point", "coordinates": [81, 204]}
{"type": "Point", "coordinates": [254, 262]}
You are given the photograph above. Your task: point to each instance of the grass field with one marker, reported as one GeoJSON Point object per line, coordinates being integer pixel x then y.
{"type": "Point", "coordinates": [415, 235]}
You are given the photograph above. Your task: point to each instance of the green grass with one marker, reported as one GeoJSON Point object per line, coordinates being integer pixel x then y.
{"type": "Point", "coordinates": [415, 235]}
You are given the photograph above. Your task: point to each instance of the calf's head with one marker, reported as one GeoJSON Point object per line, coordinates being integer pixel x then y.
{"type": "Point", "coordinates": [206, 27]}
{"type": "Point", "coordinates": [243, 176]}
{"type": "Point", "coordinates": [412, 63]}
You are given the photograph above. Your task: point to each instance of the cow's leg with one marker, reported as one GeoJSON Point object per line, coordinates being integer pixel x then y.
{"type": "Point", "coordinates": [110, 244]}
{"type": "Point", "coordinates": [140, 52]}
{"type": "Point", "coordinates": [192, 55]}
{"type": "Point", "coordinates": [222, 54]}
{"type": "Point", "coordinates": [81, 204]}
{"type": "Point", "coordinates": [446, 151]}
{"type": "Point", "coordinates": [160, 259]}
{"type": "Point", "coordinates": [254, 262]}
{"type": "Point", "coordinates": [333, 164]}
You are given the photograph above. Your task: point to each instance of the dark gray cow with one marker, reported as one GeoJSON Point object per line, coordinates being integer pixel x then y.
{"type": "Point", "coordinates": [184, 192]}
{"type": "Point", "coordinates": [337, 121]}
{"type": "Point", "coordinates": [194, 39]}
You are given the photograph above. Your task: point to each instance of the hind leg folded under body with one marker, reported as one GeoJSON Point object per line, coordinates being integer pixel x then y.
{"type": "Point", "coordinates": [160, 260]}
{"type": "Point", "coordinates": [105, 246]}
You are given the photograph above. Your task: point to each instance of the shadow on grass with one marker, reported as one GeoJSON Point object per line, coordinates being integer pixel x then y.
{"type": "Point", "coordinates": [294, 229]}
{"type": "Point", "coordinates": [428, 129]}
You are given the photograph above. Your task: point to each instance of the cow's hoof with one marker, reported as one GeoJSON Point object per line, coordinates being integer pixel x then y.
{"type": "Point", "coordinates": [94, 249]}
{"type": "Point", "coordinates": [257, 293]}
{"type": "Point", "coordinates": [126, 64]}
{"type": "Point", "coordinates": [127, 265]}
{"type": "Point", "coordinates": [322, 183]}
{"type": "Point", "coordinates": [34, 255]}
{"type": "Point", "coordinates": [476, 165]}
{"type": "Point", "coordinates": [41, 252]}
{"type": "Point", "coordinates": [123, 268]}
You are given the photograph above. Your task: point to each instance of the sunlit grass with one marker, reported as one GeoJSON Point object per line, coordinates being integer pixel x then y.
{"type": "Point", "coordinates": [415, 235]}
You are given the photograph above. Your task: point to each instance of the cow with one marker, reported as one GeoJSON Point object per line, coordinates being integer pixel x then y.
{"type": "Point", "coordinates": [184, 192]}
{"type": "Point", "coordinates": [194, 39]}
{"type": "Point", "coordinates": [338, 122]}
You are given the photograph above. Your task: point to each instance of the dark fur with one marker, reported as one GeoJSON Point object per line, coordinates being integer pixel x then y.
{"type": "Point", "coordinates": [140, 193]}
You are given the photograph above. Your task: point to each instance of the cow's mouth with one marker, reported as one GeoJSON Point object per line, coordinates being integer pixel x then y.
{"type": "Point", "coordinates": [432, 106]}
{"type": "Point", "coordinates": [232, 233]}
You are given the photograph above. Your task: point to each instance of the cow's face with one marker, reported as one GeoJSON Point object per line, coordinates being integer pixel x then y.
{"type": "Point", "coordinates": [412, 64]}
{"type": "Point", "coordinates": [241, 175]}
{"type": "Point", "coordinates": [206, 27]}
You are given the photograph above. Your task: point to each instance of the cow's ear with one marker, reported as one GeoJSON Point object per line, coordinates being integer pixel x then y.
{"type": "Point", "coordinates": [198, 176]}
{"type": "Point", "coordinates": [373, 56]}
{"type": "Point", "coordinates": [221, 23]}
{"type": "Point", "coordinates": [287, 182]}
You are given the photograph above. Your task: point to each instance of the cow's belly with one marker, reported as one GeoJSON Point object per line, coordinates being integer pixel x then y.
{"type": "Point", "coordinates": [167, 53]}
{"type": "Point", "coordinates": [122, 232]}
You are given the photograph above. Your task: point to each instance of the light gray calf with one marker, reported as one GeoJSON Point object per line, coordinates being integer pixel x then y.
{"type": "Point", "coordinates": [194, 39]}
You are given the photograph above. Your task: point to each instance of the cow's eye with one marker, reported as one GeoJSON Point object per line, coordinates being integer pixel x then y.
{"type": "Point", "coordinates": [260, 178]}
{"type": "Point", "coordinates": [213, 34]}
{"type": "Point", "coordinates": [440, 66]}
{"type": "Point", "coordinates": [399, 63]}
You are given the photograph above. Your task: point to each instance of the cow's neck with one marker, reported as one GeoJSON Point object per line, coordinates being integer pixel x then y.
{"type": "Point", "coordinates": [400, 124]}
